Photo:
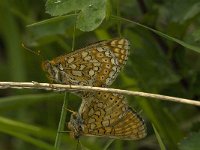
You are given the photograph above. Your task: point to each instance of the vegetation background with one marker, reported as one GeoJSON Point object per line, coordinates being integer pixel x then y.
{"type": "Point", "coordinates": [157, 63]}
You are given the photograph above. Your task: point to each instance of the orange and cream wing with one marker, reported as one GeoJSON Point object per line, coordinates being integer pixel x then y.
{"type": "Point", "coordinates": [108, 115]}
{"type": "Point", "coordinates": [95, 65]}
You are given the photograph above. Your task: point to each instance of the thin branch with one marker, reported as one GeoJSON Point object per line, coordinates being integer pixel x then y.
{"type": "Point", "coordinates": [61, 87]}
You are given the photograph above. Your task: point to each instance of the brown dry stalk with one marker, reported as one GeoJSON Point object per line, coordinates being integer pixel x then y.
{"type": "Point", "coordinates": [61, 87]}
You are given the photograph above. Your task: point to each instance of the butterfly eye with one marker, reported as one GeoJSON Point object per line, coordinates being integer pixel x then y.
{"type": "Point", "coordinates": [74, 116]}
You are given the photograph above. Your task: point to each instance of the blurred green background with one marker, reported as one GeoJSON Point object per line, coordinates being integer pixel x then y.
{"type": "Point", "coordinates": [29, 118]}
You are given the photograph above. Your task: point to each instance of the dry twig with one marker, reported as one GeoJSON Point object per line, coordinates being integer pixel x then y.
{"type": "Point", "coordinates": [61, 87]}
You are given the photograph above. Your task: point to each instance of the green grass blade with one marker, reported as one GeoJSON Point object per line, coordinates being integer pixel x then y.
{"type": "Point", "coordinates": [61, 122]}
{"type": "Point", "coordinates": [184, 44]}
{"type": "Point", "coordinates": [28, 139]}
{"type": "Point", "coordinates": [12, 125]}
{"type": "Point", "coordinates": [162, 146]}
{"type": "Point", "coordinates": [108, 144]}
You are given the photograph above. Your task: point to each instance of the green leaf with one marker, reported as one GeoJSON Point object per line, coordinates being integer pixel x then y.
{"type": "Point", "coordinates": [191, 142]}
{"type": "Point", "coordinates": [91, 15]}
{"type": "Point", "coordinates": [61, 7]}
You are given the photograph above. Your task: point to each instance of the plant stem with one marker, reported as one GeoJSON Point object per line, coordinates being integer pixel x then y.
{"type": "Point", "coordinates": [61, 122]}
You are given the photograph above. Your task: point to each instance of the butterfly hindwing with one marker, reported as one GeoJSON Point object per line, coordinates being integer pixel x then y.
{"type": "Point", "coordinates": [114, 119]}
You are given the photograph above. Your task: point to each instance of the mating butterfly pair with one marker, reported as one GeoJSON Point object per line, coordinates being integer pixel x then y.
{"type": "Point", "coordinates": [101, 113]}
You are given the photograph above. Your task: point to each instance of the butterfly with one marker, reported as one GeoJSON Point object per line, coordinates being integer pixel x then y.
{"type": "Point", "coordinates": [106, 114]}
{"type": "Point", "coordinates": [95, 65]}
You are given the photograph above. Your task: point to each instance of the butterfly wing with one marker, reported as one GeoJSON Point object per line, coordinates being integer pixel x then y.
{"type": "Point", "coordinates": [95, 65]}
{"type": "Point", "coordinates": [107, 114]}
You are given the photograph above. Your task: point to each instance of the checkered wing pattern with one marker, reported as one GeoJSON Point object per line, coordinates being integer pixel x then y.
{"type": "Point", "coordinates": [107, 115]}
{"type": "Point", "coordinates": [95, 65]}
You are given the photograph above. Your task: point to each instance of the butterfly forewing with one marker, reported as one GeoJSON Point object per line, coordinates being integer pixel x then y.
{"type": "Point", "coordinates": [95, 65]}
{"type": "Point", "coordinates": [114, 119]}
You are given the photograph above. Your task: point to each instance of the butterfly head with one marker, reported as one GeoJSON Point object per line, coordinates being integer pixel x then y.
{"type": "Point", "coordinates": [48, 67]}
{"type": "Point", "coordinates": [75, 126]}
{"type": "Point", "coordinates": [52, 70]}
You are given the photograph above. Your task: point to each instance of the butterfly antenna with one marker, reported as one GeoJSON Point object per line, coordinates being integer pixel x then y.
{"type": "Point", "coordinates": [38, 53]}
{"type": "Point", "coordinates": [64, 131]}
{"type": "Point", "coordinates": [30, 50]}
{"type": "Point", "coordinates": [70, 110]}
